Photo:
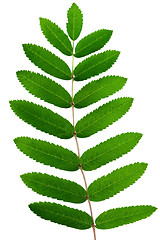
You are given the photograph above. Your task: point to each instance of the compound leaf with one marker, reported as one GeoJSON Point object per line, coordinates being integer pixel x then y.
{"type": "Point", "coordinates": [95, 65]}
{"type": "Point", "coordinates": [42, 118]}
{"type": "Point", "coordinates": [92, 42]}
{"type": "Point", "coordinates": [116, 181]}
{"type": "Point", "coordinates": [62, 215]}
{"type": "Point", "coordinates": [56, 36]}
{"type": "Point", "coordinates": [98, 89]}
{"type": "Point", "coordinates": [55, 187]}
{"type": "Point", "coordinates": [45, 88]}
{"type": "Point", "coordinates": [48, 153]}
{"type": "Point", "coordinates": [102, 117]}
{"type": "Point", "coordinates": [109, 150]}
{"type": "Point", "coordinates": [47, 61]}
{"type": "Point", "coordinates": [120, 216]}
{"type": "Point", "coordinates": [75, 22]}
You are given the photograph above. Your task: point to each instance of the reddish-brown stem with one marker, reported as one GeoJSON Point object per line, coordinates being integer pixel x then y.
{"type": "Point", "coordinates": [86, 187]}
{"type": "Point", "coordinates": [80, 166]}
{"type": "Point", "coordinates": [90, 207]}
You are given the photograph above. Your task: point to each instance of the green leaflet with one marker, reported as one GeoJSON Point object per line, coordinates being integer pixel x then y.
{"type": "Point", "coordinates": [116, 181]}
{"type": "Point", "coordinates": [55, 187]}
{"type": "Point", "coordinates": [96, 90]}
{"type": "Point", "coordinates": [45, 88]}
{"type": "Point", "coordinates": [75, 22]}
{"type": "Point", "coordinates": [109, 150]}
{"type": "Point", "coordinates": [92, 42]}
{"type": "Point", "coordinates": [95, 65]}
{"type": "Point", "coordinates": [48, 153]}
{"type": "Point", "coordinates": [61, 214]}
{"type": "Point", "coordinates": [56, 36]}
{"type": "Point", "coordinates": [102, 117]}
{"type": "Point", "coordinates": [47, 61]}
{"type": "Point", "coordinates": [120, 216]}
{"type": "Point", "coordinates": [42, 118]}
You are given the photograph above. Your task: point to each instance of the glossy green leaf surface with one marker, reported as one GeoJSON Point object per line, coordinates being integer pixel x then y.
{"type": "Point", "coordinates": [54, 187]}
{"type": "Point", "coordinates": [109, 150]}
{"type": "Point", "coordinates": [95, 65]}
{"type": "Point", "coordinates": [102, 117]}
{"type": "Point", "coordinates": [45, 88]}
{"type": "Point", "coordinates": [120, 216]}
{"type": "Point", "coordinates": [57, 213]}
{"type": "Point", "coordinates": [56, 36]}
{"type": "Point", "coordinates": [98, 89]}
{"type": "Point", "coordinates": [42, 118]}
{"type": "Point", "coordinates": [47, 61]}
{"type": "Point", "coordinates": [48, 153]}
{"type": "Point", "coordinates": [92, 42]}
{"type": "Point", "coordinates": [75, 21]}
{"type": "Point", "coordinates": [116, 181]}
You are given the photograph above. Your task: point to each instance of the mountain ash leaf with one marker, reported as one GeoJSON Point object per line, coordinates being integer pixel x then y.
{"type": "Point", "coordinates": [47, 61]}
{"type": "Point", "coordinates": [56, 36]}
{"type": "Point", "coordinates": [57, 213]}
{"type": "Point", "coordinates": [95, 65]}
{"type": "Point", "coordinates": [109, 150]}
{"type": "Point", "coordinates": [120, 216]}
{"type": "Point", "coordinates": [98, 89]}
{"type": "Point", "coordinates": [55, 187]}
{"type": "Point", "coordinates": [102, 117]}
{"type": "Point", "coordinates": [48, 153]}
{"type": "Point", "coordinates": [42, 118]}
{"type": "Point", "coordinates": [45, 88]}
{"type": "Point", "coordinates": [116, 181]}
{"type": "Point", "coordinates": [75, 22]}
{"type": "Point", "coordinates": [92, 42]}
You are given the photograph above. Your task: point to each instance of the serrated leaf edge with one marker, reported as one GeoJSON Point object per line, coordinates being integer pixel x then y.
{"type": "Point", "coordinates": [54, 34]}
{"type": "Point", "coordinates": [57, 213]}
{"type": "Point", "coordinates": [39, 140]}
{"type": "Point", "coordinates": [37, 117]}
{"type": "Point", "coordinates": [140, 134]}
{"type": "Point", "coordinates": [51, 186]}
{"type": "Point", "coordinates": [137, 163]}
{"type": "Point", "coordinates": [103, 116]}
{"type": "Point", "coordinates": [30, 44]}
{"type": "Point", "coordinates": [92, 42]}
{"type": "Point", "coordinates": [41, 86]}
{"type": "Point", "coordinates": [129, 215]}
{"type": "Point", "coordinates": [81, 15]}
{"type": "Point", "coordinates": [98, 89]}
{"type": "Point", "coordinates": [116, 52]}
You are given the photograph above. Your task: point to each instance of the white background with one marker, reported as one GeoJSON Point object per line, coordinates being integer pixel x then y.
{"type": "Point", "coordinates": [136, 35]}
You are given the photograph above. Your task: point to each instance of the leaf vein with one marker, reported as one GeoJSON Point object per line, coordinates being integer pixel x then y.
{"type": "Point", "coordinates": [44, 59]}
{"type": "Point", "coordinates": [56, 37]}
{"type": "Point", "coordinates": [87, 69]}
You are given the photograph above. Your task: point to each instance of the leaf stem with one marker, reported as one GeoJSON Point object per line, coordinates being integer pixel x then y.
{"type": "Point", "coordinates": [75, 135]}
